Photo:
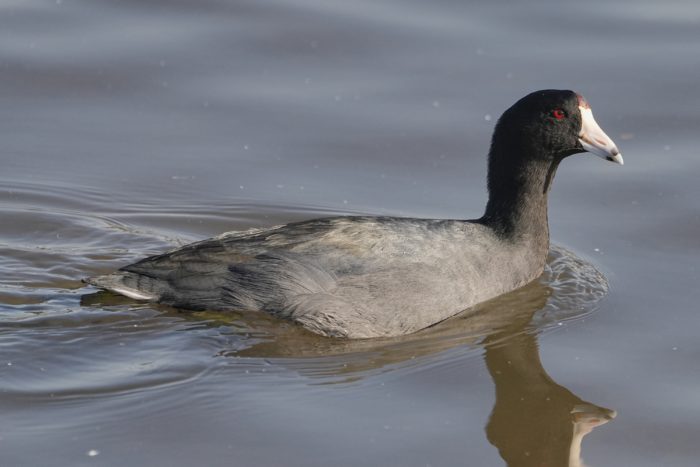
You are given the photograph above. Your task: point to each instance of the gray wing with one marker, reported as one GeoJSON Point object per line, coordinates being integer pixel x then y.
{"type": "Point", "coordinates": [246, 270]}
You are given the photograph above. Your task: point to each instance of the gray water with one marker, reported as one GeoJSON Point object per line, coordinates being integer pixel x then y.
{"type": "Point", "coordinates": [131, 127]}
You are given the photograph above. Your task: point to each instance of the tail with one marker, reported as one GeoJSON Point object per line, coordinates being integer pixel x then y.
{"type": "Point", "coordinates": [129, 284]}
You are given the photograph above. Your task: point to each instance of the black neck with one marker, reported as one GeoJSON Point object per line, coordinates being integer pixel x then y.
{"type": "Point", "coordinates": [518, 187]}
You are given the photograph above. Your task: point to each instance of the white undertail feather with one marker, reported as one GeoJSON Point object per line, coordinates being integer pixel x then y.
{"type": "Point", "coordinates": [131, 293]}
{"type": "Point", "coordinates": [115, 283]}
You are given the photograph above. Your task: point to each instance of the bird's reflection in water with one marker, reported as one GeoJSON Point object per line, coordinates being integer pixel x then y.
{"type": "Point", "coordinates": [534, 422]}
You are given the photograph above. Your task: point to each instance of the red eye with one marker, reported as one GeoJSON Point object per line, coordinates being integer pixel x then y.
{"type": "Point", "coordinates": [558, 114]}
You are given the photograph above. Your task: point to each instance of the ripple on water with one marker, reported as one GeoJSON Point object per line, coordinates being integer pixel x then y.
{"type": "Point", "coordinates": [61, 342]}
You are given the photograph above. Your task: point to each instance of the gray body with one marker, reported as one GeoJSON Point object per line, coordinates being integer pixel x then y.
{"type": "Point", "coordinates": [346, 276]}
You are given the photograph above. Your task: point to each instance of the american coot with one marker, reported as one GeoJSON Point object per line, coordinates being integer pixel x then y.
{"type": "Point", "coordinates": [362, 277]}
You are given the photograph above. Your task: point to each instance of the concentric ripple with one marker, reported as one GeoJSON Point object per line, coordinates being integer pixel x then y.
{"type": "Point", "coordinates": [60, 339]}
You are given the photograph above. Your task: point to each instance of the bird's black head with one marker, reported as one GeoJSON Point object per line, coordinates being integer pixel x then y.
{"type": "Point", "coordinates": [550, 125]}
{"type": "Point", "coordinates": [529, 141]}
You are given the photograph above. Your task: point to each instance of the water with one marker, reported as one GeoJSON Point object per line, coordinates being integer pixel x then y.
{"type": "Point", "coordinates": [129, 128]}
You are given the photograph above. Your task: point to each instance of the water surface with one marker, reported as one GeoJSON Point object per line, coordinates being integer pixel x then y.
{"type": "Point", "coordinates": [129, 128]}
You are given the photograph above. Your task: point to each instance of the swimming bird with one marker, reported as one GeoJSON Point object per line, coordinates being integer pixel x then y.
{"type": "Point", "coordinates": [364, 277]}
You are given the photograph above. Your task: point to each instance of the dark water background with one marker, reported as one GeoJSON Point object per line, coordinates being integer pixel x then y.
{"type": "Point", "coordinates": [131, 127]}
